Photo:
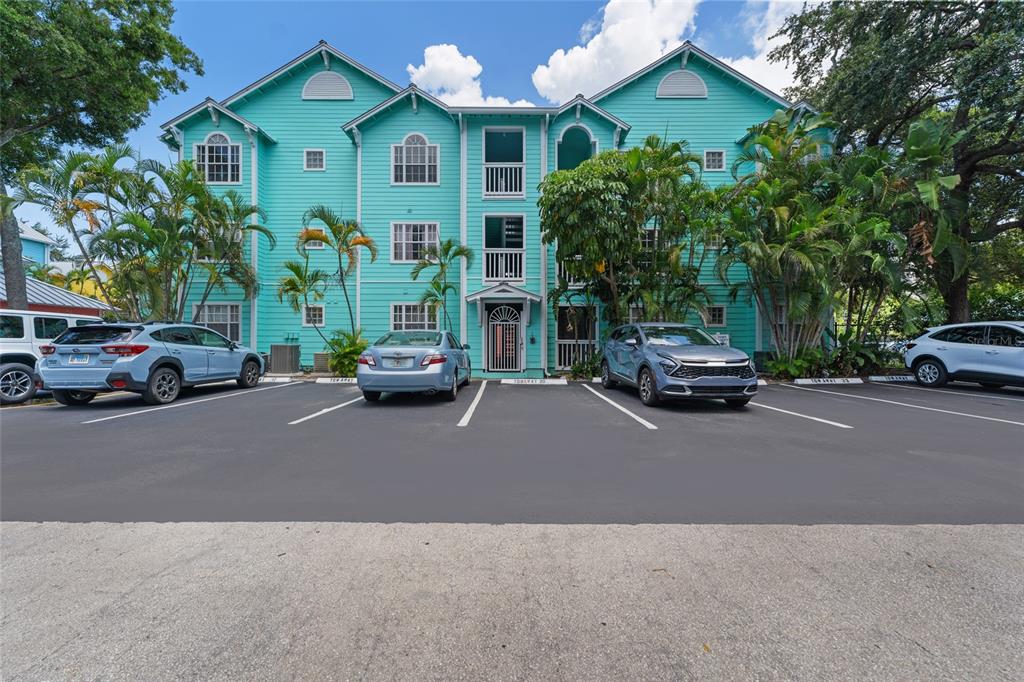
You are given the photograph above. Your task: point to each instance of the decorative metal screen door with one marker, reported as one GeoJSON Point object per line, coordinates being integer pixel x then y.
{"type": "Point", "coordinates": [503, 339]}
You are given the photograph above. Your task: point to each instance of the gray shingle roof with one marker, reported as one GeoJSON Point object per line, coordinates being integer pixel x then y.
{"type": "Point", "coordinates": [41, 293]}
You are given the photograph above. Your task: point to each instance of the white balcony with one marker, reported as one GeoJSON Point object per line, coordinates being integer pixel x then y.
{"type": "Point", "coordinates": [504, 265]}
{"type": "Point", "coordinates": [504, 180]}
{"type": "Point", "coordinates": [571, 351]}
{"type": "Point", "coordinates": [570, 280]}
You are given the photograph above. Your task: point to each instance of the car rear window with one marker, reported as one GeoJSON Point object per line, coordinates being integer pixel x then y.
{"type": "Point", "coordinates": [678, 336]}
{"type": "Point", "coordinates": [421, 339]}
{"type": "Point", "coordinates": [85, 335]}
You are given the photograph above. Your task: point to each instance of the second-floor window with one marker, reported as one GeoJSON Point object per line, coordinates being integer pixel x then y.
{"type": "Point", "coordinates": [218, 160]}
{"type": "Point", "coordinates": [410, 240]}
{"type": "Point", "coordinates": [414, 162]}
{"type": "Point", "coordinates": [314, 160]}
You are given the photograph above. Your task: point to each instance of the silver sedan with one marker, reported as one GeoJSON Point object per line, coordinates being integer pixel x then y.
{"type": "Point", "coordinates": [413, 362]}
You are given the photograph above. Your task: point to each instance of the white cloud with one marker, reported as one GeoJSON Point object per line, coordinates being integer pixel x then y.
{"type": "Point", "coordinates": [631, 35]}
{"type": "Point", "coordinates": [763, 19]}
{"type": "Point", "coordinates": [454, 78]}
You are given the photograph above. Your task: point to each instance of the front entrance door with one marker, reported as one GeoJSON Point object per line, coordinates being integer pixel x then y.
{"type": "Point", "coordinates": [504, 338]}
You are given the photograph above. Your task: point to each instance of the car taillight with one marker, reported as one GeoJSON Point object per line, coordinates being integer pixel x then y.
{"type": "Point", "coordinates": [909, 346]}
{"type": "Point", "coordinates": [433, 359]}
{"type": "Point", "coordinates": [126, 350]}
{"type": "Point", "coordinates": [47, 350]}
{"type": "Point", "coordinates": [366, 359]}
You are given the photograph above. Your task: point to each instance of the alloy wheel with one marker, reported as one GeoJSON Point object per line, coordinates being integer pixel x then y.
{"type": "Point", "coordinates": [645, 386]}
{"type": "Point", "coordinates": [15, 383]}
{"type": "Point", "coordinates": [166, 386]}
{"type": "Point", "coordinates": [928, 373]}
{"type": "Point", "coordinates": [252, 373]}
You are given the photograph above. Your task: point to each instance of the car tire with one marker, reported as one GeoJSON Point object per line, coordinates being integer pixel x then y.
{"type": "Point", "coordinates": [17, 384]}
{"type": "Point", "coordinates": [371, 396]}
{"type": "Point", "coordinates": [991, 386]}
{"type": "Point", "coordinates": [648, 388]}
{"type": "Point", "coordinates": [930, 372]}
{"type": "Point", "coordinates": [163, 387]}
{"type": "Point", "coordinates": [250, 375]}
{"type": "Point", "coordinates": [737, 403]}
{"type": "Point", "coordinates": [606, 376]}
{"type": "Point", "coordinates": [73, 397]}
{"type": "Point", "coordinates": [452, 393]}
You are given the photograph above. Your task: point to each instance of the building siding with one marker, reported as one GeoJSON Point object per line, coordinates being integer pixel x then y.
{"type": "Point", "coordinates": [285, 191]}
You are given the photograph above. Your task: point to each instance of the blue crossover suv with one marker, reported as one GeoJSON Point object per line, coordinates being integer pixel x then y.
{"type": "Point", "coordinates": [676, 361]}
{"type": "Point", "coordinates": [154, 359]}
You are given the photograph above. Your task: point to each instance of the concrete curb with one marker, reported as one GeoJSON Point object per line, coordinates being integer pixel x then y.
{"type": "Point", "coordinates": [830, 380]}
{"type": "Point", "coordinates": [536, 382]}
{"type": "Point", "coordinates": [892, 379]}
{"type": "Point", "coordinates": [336, 380]}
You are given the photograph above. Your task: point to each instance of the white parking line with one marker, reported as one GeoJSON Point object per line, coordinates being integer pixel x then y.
{"type": "Point", "coordinates": [803, 416]}
{"type": "Point", "coordinates": [916, 407]}
{"type": "Point", "coordinates": [234, 394]}
{"type": "Point", "coordinates": [983, 396]}
{"type": "Point", "coordinates": [324, 411]}
{"type": "Point", "coordinates": [472, 406]}
{"type": "Point", "coordinates": [620, 408]}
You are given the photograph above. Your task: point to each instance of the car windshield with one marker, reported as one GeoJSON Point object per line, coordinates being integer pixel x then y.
{"type": "Point", "coordinates": [421, 339]}
{"type": "Point", "coordinates": [678, 336]}
{"type": "Point", "coordinates": [97, 334]}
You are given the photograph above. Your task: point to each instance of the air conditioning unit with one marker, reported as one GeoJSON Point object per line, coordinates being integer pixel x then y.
{"type": "Point", "coordinates": [284, 358]}
{"type": "Point", "coordinates": [320, 362]}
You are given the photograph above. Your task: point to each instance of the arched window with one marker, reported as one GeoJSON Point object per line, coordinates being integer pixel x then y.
{"type": "Point", "coordinates": [415, 161]}
{"type": "Point", "coordinates": [327, 85]}
{"type": "Point", "coordinates": [575, 146]}
{"type": "Point", "coordinates": [682, 85]}
{"type": "Point", "coordinates": [218, 160]}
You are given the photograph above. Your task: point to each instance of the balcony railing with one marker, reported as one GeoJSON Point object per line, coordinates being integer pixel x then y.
{"type": "Point", "coordinates": [571, 351]}
{"type": "Point", "coordinates": [570, 280]}
{"type": "Point", "coordinates": [503, 265]}
{"type": "Point", "coordinates": [503, 179]}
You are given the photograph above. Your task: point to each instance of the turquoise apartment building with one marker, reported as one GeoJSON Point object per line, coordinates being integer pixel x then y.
{"type": "Point", "coordinates": [324, 129]}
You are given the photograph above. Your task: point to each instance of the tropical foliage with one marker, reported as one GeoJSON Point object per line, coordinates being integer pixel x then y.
{"type": "Point", "coordinates": [442, 258]}
{"type": "Point", "coordinates": [150, 235]}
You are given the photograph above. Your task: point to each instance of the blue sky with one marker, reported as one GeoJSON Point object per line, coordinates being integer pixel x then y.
{"type": "Point", "coordinates": [466, 52]}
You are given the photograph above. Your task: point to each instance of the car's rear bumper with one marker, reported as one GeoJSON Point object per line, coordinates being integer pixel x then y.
{"type": "Point", "coordinates": [404, 381]}
{"type": "Point", "coordinates": [97, 380]}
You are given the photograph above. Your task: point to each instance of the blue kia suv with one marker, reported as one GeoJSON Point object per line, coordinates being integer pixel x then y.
{"type": "Point", "coordinates": [153, 359]}
{"type": "Point", "coordinates": [674, 361]}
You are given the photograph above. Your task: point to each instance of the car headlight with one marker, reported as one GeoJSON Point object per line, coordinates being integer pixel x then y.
{"type": "Point", "coordinates": [667, 363]}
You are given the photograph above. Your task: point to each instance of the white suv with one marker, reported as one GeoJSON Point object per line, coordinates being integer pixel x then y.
{"type": "Point", "coordinates": [21, 334]}
{"type": "Point", "coordinates": [988, 353]}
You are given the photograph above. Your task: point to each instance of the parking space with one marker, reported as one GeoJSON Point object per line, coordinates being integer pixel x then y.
{"type": "Point", "coordinates": [508, 453]}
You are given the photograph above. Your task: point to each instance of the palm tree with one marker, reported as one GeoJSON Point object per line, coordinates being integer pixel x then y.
{"type": "Point", "coordinates": [435, 296]}
{"type": "Point", "coordinates": [226, 223]}
{"type": "Point", "coordinates": [302, 285]}
{"type": "Point", "coordinates": [345, 238]}
{"type": "Point", "coordinates": [45, 272]}
{"type": "Point", "coordinates": [59, 188]}
{"type": "Point", "coordinates": [442, 256]}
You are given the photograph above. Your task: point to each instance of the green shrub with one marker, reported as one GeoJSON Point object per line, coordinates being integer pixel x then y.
{"type": "Point", "coordinates": [588, 368]}
{"type": "Point", "coordinates": [810, 362]}
{"type": "Point", "coordinates": [344, 351]}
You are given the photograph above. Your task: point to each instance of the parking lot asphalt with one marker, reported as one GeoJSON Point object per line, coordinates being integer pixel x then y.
{"type": "Point", "coordinates": [887, 454]}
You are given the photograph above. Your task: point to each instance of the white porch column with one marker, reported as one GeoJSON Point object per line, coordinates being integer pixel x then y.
{"type": "Point", "coordinates": [463, 275]}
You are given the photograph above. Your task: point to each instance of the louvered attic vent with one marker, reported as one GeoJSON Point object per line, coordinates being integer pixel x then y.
{"type": "Point", "coordinates": [682, 84]}
{"type": "Point", "coordinates": [327, 85]}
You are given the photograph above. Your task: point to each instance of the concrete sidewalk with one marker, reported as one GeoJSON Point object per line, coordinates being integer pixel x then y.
{"type": "Point", "coordinates": [436, 601]}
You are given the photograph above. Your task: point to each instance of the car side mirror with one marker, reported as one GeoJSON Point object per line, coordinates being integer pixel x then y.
{"type": "Point", "coordinates": [630, 342]}
{"type": "Point", "coordinates": [465, 346]}
{"type": "Point", "coordinates": [233, 346]}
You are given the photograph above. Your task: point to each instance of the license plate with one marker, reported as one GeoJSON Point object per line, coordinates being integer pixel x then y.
{"type": "Point", "coordinates": [398, 362]}
{"type": "Point", "coordinates": [79, 359]}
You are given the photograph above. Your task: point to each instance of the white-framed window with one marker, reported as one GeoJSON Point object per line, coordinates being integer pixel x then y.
{"type": "Point", "coordinates": [636, 313]}
{"type": "Point", "coordinates": [415, 161]}
{"type": "Point", "coordinates": [410, 240]}
{"type": "Point", "coordinates": [715, 316]}
{"type": "Point", "coordinates": [412, 317]}
{"type": "Point", "coordinates": [218, 160]}
{"type": "Point", "coordinates": [223, 318]}
{"type": "Point", "coordinates": [313, 244]}
{"type": "Point", "coordinates": [314, 160]}
{"type": "Point", "coordinates": [713, 243]}
{"type": "Point", "coordinates": [714, 160]}
{"type": "Point", "coordinates": [313, 316]}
